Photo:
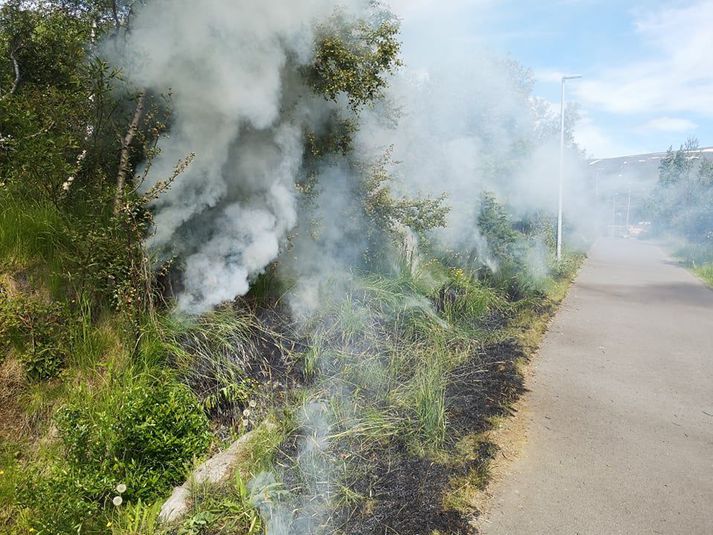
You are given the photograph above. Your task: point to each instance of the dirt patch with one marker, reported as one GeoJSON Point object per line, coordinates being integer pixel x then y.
{"type": "Point", "coordinates": [13, 420]}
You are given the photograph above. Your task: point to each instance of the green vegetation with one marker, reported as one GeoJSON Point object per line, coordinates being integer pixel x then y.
{"type": "Point", "coordinates": [140, 436]}
{"type": "Point", "coordinates": [109, 397]}
{"type": "Point", "coordinates": [682, 205]}
{"type": "Point", "coordinates": [705, 273]}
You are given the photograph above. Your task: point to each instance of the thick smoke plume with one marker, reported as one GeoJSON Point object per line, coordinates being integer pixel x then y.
{"type": "Point", "coordinates": [239, 107]}
{"type": "Point", "coordinates": [466, 129]}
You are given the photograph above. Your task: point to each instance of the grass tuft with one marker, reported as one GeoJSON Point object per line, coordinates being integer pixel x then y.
{"type": "Point", "coordinates": [705, 272]}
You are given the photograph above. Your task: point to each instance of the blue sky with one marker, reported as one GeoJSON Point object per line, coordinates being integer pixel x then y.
{"type": "Point", "coordinates": [647, 65]}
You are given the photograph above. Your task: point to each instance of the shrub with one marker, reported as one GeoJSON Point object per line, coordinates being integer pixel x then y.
{"type": "Point", "coordinates": [38, 332]}
{"type": "Point", "coordinates": [496, 227]}
{"type": "Point", "coordinates": [143, 436]}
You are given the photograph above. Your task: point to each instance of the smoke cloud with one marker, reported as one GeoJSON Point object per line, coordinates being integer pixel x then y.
{"type": "Point", "coordinates": [239, 106]}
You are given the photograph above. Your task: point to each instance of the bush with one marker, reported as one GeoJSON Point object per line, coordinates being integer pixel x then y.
{"type": "Point", "coordinates": [465, 301]}
{"type": "Point", "coordinates": [38, 332]}
{"type": "Point", "coordinates": [143, 436]}
{"type": "Point", "coordinates": [496, 227]}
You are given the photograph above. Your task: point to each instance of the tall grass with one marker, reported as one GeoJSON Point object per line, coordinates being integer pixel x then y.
{"type": "Point", "coordinates": [705, 272]}
{"type": "Point", "coordinates": [428, 390]}
{"type": "Point", "coordinates": [220, 355]}
{"type": "Point", "coordinates": [391, 348]}
{"type": "Point", "coordinates": [698, 257]}
{"type": "Point", "coordinates": [32, 233]}
{"type": "Point", "coordinates": [10, 469]}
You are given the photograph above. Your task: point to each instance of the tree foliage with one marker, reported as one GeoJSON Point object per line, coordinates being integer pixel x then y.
{"type": "Point", "coordinates": [682, 202]}
{"type": "Point", "coordinates": [389, 211]}
{"type": "Point", "coordinates": [354, 59]}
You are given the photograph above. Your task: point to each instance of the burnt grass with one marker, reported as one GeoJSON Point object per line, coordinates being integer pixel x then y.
{"type": "Point", "coordinates": [405, 491]}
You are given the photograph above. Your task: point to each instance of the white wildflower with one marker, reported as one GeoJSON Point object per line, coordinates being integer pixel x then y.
{"type": "Point", "coordinates": [68, 183]}
{"type": "Point", "coordinates": [121, 488]}
{"type": "Point", "coordinates": [118, 500]}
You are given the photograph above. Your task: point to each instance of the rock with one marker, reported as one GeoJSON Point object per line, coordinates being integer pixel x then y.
{"type": "Point", "coordinates": [214, 471]}
{"type": "Point", "coordinates": [176, 506]}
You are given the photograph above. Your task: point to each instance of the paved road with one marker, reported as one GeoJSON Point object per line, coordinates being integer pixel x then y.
{"type": "Point", "coordinates": [620, 431]}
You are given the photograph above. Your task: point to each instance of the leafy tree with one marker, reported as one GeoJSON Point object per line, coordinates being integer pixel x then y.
{"type": "Point", "coordinates": [677, 165]}
{"type": "Point", "coordinates": [495, 226]}
{"type": "Point", "coordinates": [389, 212]}
{"type": "Point", "coordinates": [682, 202]}
{"type": "Point", "coordinates": [354, 59]}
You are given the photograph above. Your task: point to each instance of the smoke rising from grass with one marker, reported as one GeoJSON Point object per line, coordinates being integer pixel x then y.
{"type": "Point", "coordinates": [239, 107]}
{"type": "Point", "coordinates": [466, 128]}
{"type": "Point", "coordinates": [242, 107]}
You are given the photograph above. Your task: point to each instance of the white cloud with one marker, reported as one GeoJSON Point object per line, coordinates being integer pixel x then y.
{"type": "Point", "coordinates": [596, 142]}
{"type": "Point", "coordinates": [669, 124]}
{"type": "Point", "coordinates": [677, 78]}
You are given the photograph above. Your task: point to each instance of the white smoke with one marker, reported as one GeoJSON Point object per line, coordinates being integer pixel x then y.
{"type": "Point", "coordinates": [228, 64]}
{"type": "Point", "coordinates": [306, 511]}
{"type": "Point", "coordinates": [467, 127]}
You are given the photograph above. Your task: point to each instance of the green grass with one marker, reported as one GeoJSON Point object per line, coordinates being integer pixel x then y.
{"type": "Point", "coordinates": [428, 390]}
{"type": "Point", "coordinates": [31, 232]}
{"type": "Point", "coordinates": [698, 257]}
{"type": "Point", "coordinates": [33, 240]}
{"type": "Point", "coordinates": [380, 358]}
{"type": "Point", "coordinates": [695, 253]}
{"type": "Point", "coordinates": [705, 272]}
{"type": "Point", "coordinates": [10, 468]}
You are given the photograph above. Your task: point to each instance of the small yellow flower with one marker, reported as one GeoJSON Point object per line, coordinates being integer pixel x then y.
{"type": "Point", "coordinates": [2, 472]}
{"type": "Point", "coordinates": [108, 524]}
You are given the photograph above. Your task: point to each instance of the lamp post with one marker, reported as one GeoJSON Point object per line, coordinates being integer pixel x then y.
{"type": "Point", "coordinates": [561, 186]}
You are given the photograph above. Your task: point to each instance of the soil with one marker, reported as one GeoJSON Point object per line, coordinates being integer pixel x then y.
{"type": "Point", "coordinates": [15, 424]}
{"type": "Point", "coordinates": [484, 387]}
{"type": "Point", "coordinates": [407, 498]}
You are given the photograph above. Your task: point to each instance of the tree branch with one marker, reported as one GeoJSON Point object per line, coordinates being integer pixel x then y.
{"type": "Point", "coordinates": [125, 146]}
{"type": "Point", "coordinates": [115, 13]}
{"type": "Point", "coordinates": [16, 66]}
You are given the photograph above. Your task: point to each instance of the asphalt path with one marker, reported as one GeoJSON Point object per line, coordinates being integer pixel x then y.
{"type": "Point", "coordinates": [620, 409]}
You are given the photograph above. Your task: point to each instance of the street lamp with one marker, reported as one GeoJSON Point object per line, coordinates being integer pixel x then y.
{"type": "Point", "coordinates": [561, 188]}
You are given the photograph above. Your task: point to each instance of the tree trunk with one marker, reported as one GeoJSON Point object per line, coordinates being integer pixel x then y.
{"type": "Point", "coordinates": [125, 146]}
